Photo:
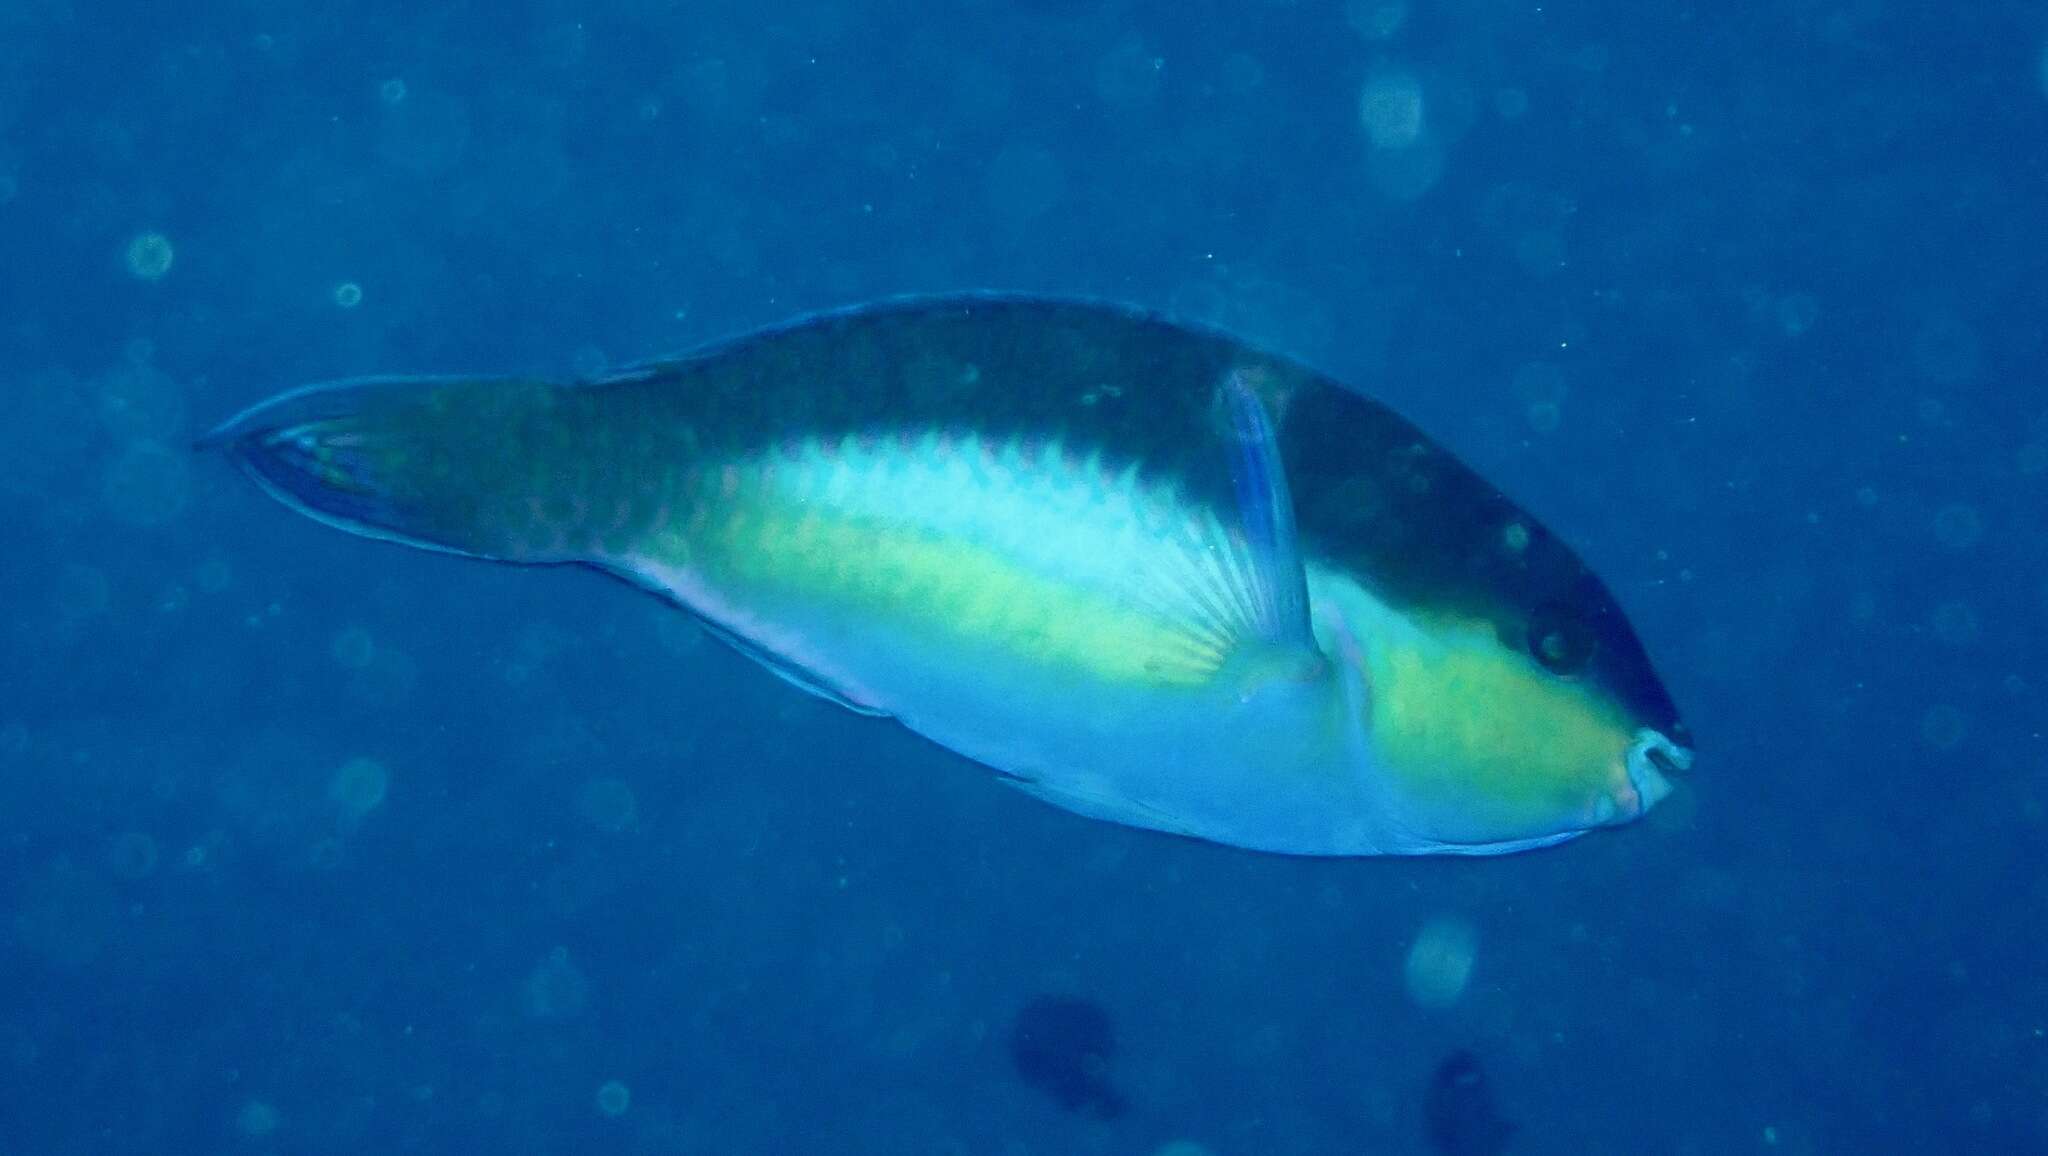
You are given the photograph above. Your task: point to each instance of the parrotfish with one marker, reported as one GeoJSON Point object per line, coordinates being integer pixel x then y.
{"type": "Point", "coordinates": [1141, 569]}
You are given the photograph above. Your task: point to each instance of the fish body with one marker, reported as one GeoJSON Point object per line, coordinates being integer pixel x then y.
{"type": "Point", "coordinates": [1144, 571]}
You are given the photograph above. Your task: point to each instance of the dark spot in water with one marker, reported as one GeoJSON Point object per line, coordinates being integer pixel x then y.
{"type": "Point", "coordinates": [1063, 1047]}
{"type": "Point", "coordinates": [1459, 1113]}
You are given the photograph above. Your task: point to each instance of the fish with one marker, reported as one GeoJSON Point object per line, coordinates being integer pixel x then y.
{"type": "Point", "coordinates": [1141, 569]}
{"type": "Point", "coordinates": [1063, 1046]}
{"type": "Point", "coordinates": [1459, 1115]}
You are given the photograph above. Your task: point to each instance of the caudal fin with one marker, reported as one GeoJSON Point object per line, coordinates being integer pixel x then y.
{"type": "Point", "coordinates": [437, 463]}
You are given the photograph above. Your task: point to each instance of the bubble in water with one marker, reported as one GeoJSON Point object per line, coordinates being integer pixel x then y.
{"type": "Point", "coordinates": [1958, 526]}
{"type": "Point", "coordinates": [1025, 182]}
{"type": "Point", "coordinates": [608, 804]}
{"type": "Point", "coordinates": [613, 1098]}
{"type": "Point", "coordinates": [1391, 108]}
{"type": "Point", "coordinates": [132, 855]}
{"type": "Point", "coordinates": [146, 484]}
{"type": "Point", "coordinates": [556, 989]}
{"type": "Point", "coordinates": [359, 786]}
{"type": "Point", "coordinates": [138, 402]}
{"type": "Point", "coordinates": [257, 1118]}
{"type": "Point", "coordinates": [1440, 961]}
{"type": "Point", "coordinates": [1943, 726]}
{"type": "Point", "coordinates": [348, 295]}
{"type": "Point", "coordinates": [149, 256]}
{"type": "Point", "coordinates": [391, 91]}
{"type": "Point", "coordinates": [214, 574]}
{"type": "Point", "coordinates": [1955, 623]}
{"type": "Point", "coordinates": [353, 647]}
{"type": "Point", "coordinates": [1797, 313]}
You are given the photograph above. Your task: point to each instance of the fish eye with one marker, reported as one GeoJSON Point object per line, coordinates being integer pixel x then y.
{"type": "Point", "coordinates": [1559, 640]}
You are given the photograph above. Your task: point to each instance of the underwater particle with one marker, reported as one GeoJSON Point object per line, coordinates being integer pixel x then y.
{"type": "Point", "coordinates": [1514, 537]}
{"type": "Point", "coordinates": [1943, 726]}
{"type": "Point", "coordinates": [146, 484]}
{"type": "Point", "coordinates": [82, 591]}
{"type": "Point", "coordinates": [1458, 1112]}
{"type": "Point", "coordinates": [149, 256]}
{"type": "Point", "coordinates": [613, 1098]}
{"type": "Point", "coordinates": [1440, 961]}
{"type": "Point", "coordinates": [391, 91]}
{"type": "Point", "coordinates": [1063, 1047]}
{"type": "Point", "coordinates": [1958, 526]}
{"type": "Point", "coordinates": [348, 295]}
{"type": "Point", "coordinates": [359, 786]}
{"type": "Point", "coordinates": [556, 990]}
{"type": "Point", "coordinates": [1024, 182]}
{"type": "Point", "coordinates": [1390, 107]}
{"type": "Point", "coordinates": [1128, 76]}
{"type": "Point", "coordinates": [257, 1118]}
{"type": "Point", "coordinates": [1796, 313]}
{"type": "Point", "coordinates": [214, 575]}
{"type": "Point", "coordinates": [1544, 416]}
{"type": "Point", "coordinates": [1376, 19]}
{"type": "Point", "coordinates": [1182, 1148]}
{"type": "Point", "coordinates": [138, 402]}
{"type": "Point", "coordinates": [14, 739]}
{"type": "Point", "coordinates": [132, 855]}
{"type": "Point", "coordinates": [1511, 103]}
{"type": "Point", "coordinates": [608, 804]}
{"type": "Point", "coordinates": [2032, 458]}
{"type": "Point", "coordinates": [1955, 623]}
{"type": "Point", "coordinates": [10, 187]}
{"type": "Point", "coordinates": [353, 647]}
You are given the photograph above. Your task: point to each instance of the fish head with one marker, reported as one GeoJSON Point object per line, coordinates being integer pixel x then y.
{"type": "Point", "coordinates": [1498, 733]}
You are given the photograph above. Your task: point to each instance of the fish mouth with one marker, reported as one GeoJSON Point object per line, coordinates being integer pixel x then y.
{"type": "Point", "coordinates": [1652, 758]}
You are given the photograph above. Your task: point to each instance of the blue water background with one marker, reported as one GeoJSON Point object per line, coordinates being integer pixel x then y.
{"type": "Point", "coordinates": [1746, 300]}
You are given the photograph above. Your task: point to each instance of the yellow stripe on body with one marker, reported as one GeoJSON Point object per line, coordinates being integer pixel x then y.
{"type": "Point", "coordinates": [1041, 558]}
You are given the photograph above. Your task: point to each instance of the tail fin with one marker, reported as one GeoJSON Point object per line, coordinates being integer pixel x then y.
{"type": "Point", "coordinates": [439, 463]}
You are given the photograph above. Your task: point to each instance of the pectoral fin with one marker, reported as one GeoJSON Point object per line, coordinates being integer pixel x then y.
{"type": "Point", "coordinates": [1279, 648]}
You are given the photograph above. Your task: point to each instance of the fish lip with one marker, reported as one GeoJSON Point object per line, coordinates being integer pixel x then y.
{"type": "Point", "coordinates": [1651, 758]}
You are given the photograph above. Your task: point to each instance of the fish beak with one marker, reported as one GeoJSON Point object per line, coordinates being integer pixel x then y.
{"type": "Point", "coordinates": [1651, 759]}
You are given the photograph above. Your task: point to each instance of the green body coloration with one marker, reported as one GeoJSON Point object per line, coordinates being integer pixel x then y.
{"type": "Point", "coordinates": [1145, 571]}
